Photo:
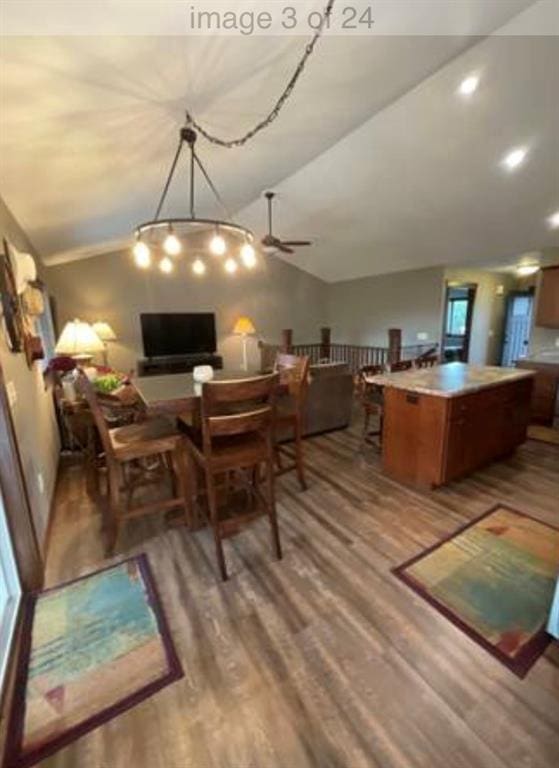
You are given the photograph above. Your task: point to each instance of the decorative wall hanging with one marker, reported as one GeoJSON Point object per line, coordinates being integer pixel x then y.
{"type": "Point", "coordinates": [12, 321]}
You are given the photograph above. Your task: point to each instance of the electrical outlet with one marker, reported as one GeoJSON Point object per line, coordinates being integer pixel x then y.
{"type": "Point", "coordinates": [12, 393]}
{"type": "Point", "coordinates": [422, 336]}
{"type": "Point", "coordinates": [40, 482]}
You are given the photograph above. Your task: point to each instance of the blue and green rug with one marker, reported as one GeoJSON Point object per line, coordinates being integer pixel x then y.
{"type": "Point", "coordinates": [92, 648]}
{"type": "Point", "coordinates": [495, 579]}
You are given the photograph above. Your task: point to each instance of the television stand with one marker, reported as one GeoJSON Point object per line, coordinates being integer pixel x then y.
{"type": "Point", "coordinates": [161, 366]}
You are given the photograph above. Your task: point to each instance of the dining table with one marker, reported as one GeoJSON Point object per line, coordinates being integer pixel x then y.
{"type": "Point", "coordinates": [178, 394]}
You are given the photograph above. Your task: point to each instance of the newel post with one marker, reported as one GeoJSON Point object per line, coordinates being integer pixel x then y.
{"type": "Point", "coordinates": [325, 342]}
{"type": "Point", "coordinates": [394, 345]}
{"type": "Point", "coordinates": [287, 341]}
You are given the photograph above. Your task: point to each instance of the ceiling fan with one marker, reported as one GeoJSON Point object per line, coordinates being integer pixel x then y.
{"type": "Point", "coordinates": [270, 243]}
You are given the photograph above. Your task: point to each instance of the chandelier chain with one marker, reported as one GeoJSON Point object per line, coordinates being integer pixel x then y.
{"type": "Point", "coordinates": [269, 119]}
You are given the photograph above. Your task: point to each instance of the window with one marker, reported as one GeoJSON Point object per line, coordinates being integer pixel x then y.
{"type": "Point", "coordinates": [456, 317]}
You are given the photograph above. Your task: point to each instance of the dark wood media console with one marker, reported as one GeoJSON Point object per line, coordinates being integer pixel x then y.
{"type": "Point", "coordinates": [160, 366]}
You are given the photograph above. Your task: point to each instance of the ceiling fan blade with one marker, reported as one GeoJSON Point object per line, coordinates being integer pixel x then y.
{"type": "Point", "coordinates": [297, 243]}
{"type": "Point", "coordinates": [282, 247]}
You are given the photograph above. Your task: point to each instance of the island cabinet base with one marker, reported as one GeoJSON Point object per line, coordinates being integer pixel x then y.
{"type": "Point", "coordinates": [429, 440]}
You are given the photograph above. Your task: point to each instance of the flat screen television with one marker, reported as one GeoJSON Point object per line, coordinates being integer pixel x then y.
{"type": "Point", "coordinates": [173, 335]}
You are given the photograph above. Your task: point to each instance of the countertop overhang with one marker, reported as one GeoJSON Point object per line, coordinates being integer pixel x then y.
{"type": "Point", "coordinates": [452, 379]}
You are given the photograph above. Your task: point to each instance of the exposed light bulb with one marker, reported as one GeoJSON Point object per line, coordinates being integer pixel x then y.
{"type": "Point", "coordinates": [142, 254]}
{"type": "Point", "coordinates": [469, 85]}
{"type": "Point", "coordinates": [218, 246]}
{"type": "Point", "coordinates": [248, 256]}
{"type": "Point", "coordinates": [172, 245]}
{"type": "Point", "coordinates": [166, 265]}
{"type": "Point", "coordinates": [553, 220]}
{"type": "Point", "coordinates": [199, 268]}
{"type": "Point", "coordinates": [231, 266]}
{"type": "Point", "coordinates": [525, 270]}
{"type": "Point", "coordinates": [515, 158]}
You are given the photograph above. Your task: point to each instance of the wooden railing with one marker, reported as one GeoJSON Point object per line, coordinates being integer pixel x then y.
{"type": "Point", "coordinates": [356, 356]}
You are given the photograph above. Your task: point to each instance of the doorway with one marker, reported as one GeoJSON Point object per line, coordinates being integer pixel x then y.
{"type": "Point", "coordinates": [518, 323]}
{"type": "Point", "coordinates": [457, 330]}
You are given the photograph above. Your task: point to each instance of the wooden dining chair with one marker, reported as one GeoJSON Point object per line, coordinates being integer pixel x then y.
{"type": "Point", "coordinates": [236, 436]}
{"type": "Point", "coordinates": [293, 374]}
{"type": "Point", "coordinates": [427, 361]}
{"type": "Point", "coordinates": [401, 365]}
{"type": "Point", "coordinates": [126, 449]}
{"type": "Point", "coordinates": [371, 398]}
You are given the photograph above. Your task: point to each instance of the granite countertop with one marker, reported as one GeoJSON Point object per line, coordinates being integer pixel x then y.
{"type": "Point", "coordinates": [548, 357]}
{"type": "Point", "coordinates": [451, 380]}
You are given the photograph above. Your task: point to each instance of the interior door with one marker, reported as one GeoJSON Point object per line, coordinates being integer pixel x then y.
{"type": "Point", "coordinates": [10, 592]}
{"type": "Point", "coordinates": [518, 323]}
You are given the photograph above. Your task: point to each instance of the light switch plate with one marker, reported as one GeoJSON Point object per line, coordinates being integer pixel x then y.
{"type": "Point", "coordinates": [422, 336]}
{"type": "Point", "coordinates": [11, 391]}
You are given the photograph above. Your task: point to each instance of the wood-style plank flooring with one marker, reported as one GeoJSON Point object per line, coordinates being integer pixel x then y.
{"type": "Point", "coordinates": [323, 659]}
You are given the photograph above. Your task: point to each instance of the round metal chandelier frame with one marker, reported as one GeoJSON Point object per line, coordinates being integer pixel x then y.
{"type": "Point", "coordinates": [183, 226]}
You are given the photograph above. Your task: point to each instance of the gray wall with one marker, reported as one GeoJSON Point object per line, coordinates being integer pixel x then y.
{"type": "Point", "coordinates": [275, 295]}
{"type": "Point", "coordinates": [361, 311]}
{"type": "Point", "coordinates": [33, 413]}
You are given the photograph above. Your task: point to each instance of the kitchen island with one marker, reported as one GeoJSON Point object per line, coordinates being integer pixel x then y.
{"type": "Point", "coordinates": [444, 422]}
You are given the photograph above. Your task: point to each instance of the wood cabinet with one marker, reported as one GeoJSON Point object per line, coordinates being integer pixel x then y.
{"type": "Point", "coordinates": [544, 394]}
{"type": "Point", "coordinates": [547, 314]}
{"type": "Point", "coordinates": [429, 440]}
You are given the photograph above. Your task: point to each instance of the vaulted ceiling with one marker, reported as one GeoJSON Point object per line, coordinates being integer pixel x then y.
{"type": "Point", "coordinates": [376, 157]}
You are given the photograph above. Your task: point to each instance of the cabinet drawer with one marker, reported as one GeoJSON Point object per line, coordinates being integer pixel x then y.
{"type": "Point", "coordinates": [466, 405]}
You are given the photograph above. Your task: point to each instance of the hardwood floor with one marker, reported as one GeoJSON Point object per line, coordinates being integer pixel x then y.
{"type": "Point", "coordinates": [323, 659]}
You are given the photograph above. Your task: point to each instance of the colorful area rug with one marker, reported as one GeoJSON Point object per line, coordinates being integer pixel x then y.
{"type": "Point", "coordinates": [93, 648]}
{"type": "Point", "coordinates": [495, 579]}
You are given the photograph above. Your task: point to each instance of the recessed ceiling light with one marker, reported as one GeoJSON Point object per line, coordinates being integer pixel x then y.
{"type": "Point", "coordinates": [469, 85]}
{"type": "Point", "coordinates": [515, 158]}
{"type": "Point", "coordinates": [553, 220]}
{"type": "Point", "coordinates": [525, 270]}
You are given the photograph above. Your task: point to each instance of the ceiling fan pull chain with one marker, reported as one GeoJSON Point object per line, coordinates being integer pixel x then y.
{"type": "Point", "coordinates": [267, 121]}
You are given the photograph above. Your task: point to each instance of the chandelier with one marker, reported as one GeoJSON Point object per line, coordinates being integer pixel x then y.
{"type": "Point", "coordinates": [165, 236]}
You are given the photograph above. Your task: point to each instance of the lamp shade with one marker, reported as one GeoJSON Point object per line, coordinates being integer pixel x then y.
{"type": "Point", "coordinates": [104, 331]}
{"type": "Point", "coordinates": [244, 326]}
{"type": "Point", "coordinates": [78, 338]}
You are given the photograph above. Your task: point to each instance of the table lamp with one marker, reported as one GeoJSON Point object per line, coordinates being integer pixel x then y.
{"type": "Point", "coordinates": [244, 327]}
{"type": "Point", "coordinates": [106, 334]}
{"type": "Point", "coordinates": [80, 341]}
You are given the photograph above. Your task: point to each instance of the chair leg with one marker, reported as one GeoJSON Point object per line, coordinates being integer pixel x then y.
{"type": "Point", "coordinates": [299, 457]}
{"type": "Point", "coordinates": [214, 520]}
{"type": "Point", "coordinates": [270, 482]}
{"type": "Point", "coordinates": [365, 432]}
{"type": "Point", "coordinates": [113, 481]}
{"type": "Point", "coordinates": [181, 482]}
{"type": "Point", "coordinates": [169, 462]}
